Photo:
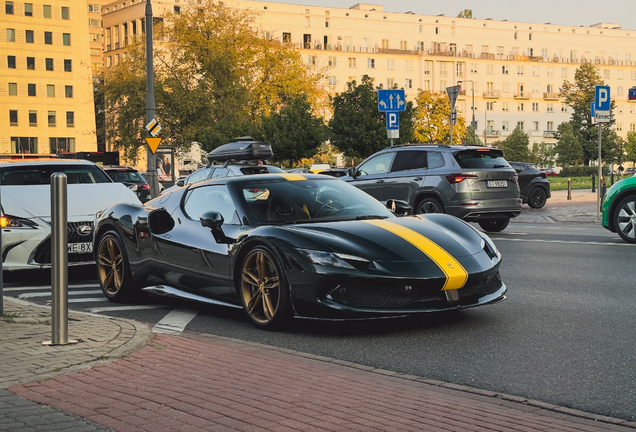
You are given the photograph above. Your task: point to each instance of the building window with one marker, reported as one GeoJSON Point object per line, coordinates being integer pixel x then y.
{"type": "Point", "coordinates": [505, 106]}
{"type": "Point", "coordinates": [28, 9]}
{"type": "Point", "coordinates": [632, 127]}
{"type": "Point", "coordinates": [505, 125]}
{"type": "Point", "coordinates": [31, 63]}
{"type": "Point", "coordinates": [390, 83]}
{"type": "Point", "coordinates": [331, 61]}
{"type": "Point", "coordinates": [564, 72]}
{"type": "Point", "coordinates": [46, 11]}
{"type": "Point", "coordinates": [520, 125]}
{"type": "Point", "coordinates": [8, 7]}
{"type": "Point", "coordinates": [51, 117]}
{"type": "Point", "coordinates": [311, 60]}
{"type": "Point", "coordinates": [619, 127]}
{"type": "Point", "coordinates": [13, 89]}
{"type": "Point", "coordinates": [519, 70]}
{"type": "Point", "coordinates": [327, 22]}
{"type": "Point", "coordinates": [33, 118]}
{"type": "Point", "coordinates": [504, 70]}
{"type": "Point", "coordinates": [408, 65]}
{"type": "Point", "coordinates": [177, 10]}
{"type": "Point", "coordinates": [550, 72]}
{"type": "Point", "coordinates": [11, 62]}
{"type": "Point", "coordinates": [535, 71]}
{"type": "Point", "coordinates": [390, 64]}
{"type": "Point", "coordinates": [93, 8]}
{"type": "Point", "coordinates": [536, 126]}
{"type": "Point", "coordinates": [371, 63]}
{"type": "Point", "coordinates": [68, 91]}
{"type": "Point", "coordinates": [520, 106]}
{"type": "Point", "coordinates": [94, 23]}
{"type": "Point", "coordinates": [61, 145]}
{"type": "Point", "coordinates": [48, 38]}
{"type": "Point", "coordinates": [70, 119]}
{"type": "Point", "coordinates": [535, 106]}
{"type": "Point", "coordinates": [66, 39]}
{"type": "Point", "coordinates": [286, 37]}
{"type": "Point", "coordinates": [620, 74]}
{"type": "Point", "coordinates": [24, 145]}
{"type": "Point", "coordinates": [403, 45]}
{"type": "Point", "coordinates": [550, 107]}
{"type": "Point", "coordinates": [50, 90]}
{"type": "Point", "coordinates": [564, 107]}
{"type": "Point", "coordinates": [332, 81]}
{"type": "Point", "coordinates": [474, 68]}
{"type": "Point", "coordinates": [10, 35]}
{"type": "Point", "coordinates": [490, 69]}
{"type": "Point", "coordinates": [620, 109]}
{"type": "Point", "coordinates": [619, 91]}
{"type": "Point", "coordinates": [408, 83]}
{"type": "Point", "coordinates": [385, 43]}
{"type": "Point", "coordinates": [13, 117]}
{"type": "Point", "coordinates": [352, 62]}
{"type": "Point", "coordinates": [65, 13]}
{"type": "Point", "coordinates": [49, 64]}
{"type": "Point", "coordinates": [550, 126]}
{"type": "Point", "coordinates": [28, 35]}
{"type": "Point", "coordinates": [68, 65]}
{"type": "Point", "coordinates": [31, 90]}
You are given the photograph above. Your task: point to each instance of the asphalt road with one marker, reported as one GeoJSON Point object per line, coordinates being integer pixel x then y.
{"type": "Point", "coordinates": [565, 335]}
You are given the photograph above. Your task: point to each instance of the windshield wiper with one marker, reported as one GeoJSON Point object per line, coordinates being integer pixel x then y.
{"type": "Point", "coordinates": [365, 217]}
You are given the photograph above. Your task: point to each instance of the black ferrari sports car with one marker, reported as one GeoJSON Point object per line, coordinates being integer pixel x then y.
{"type": "Point", "coordinates": [284, 245]}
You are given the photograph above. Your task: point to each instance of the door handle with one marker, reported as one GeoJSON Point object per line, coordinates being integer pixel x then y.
{"type": "Point", "coordinates": [418, 178]}
{"type": "Point", "coordinates": [379, 181]}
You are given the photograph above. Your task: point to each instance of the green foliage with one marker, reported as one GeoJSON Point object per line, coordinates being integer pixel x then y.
{"type": "Point", "coordinates": [100, 111]}
{"type": "Point", "coordinates": [582, 171]}
{"type": "Point", "coordinates": [432, 119]}
{"type": "Point", "coordinates": [357, 128]}
{"type": "Point", "coordinates": [325, 155]}
{"type": "Point", "coordinates": [613, 147]}
{"type": "Point", "coordinates": [578, 95]}
{"type": "Point", "coordinates": [542, 155]}
{"type": "Point", "coordinates": [295, 132]}
{"type": "Point", "coordinates": [568, 148]}
{"type": "Point", "coordinates": [515, 146]}
{"type": "Point", "coordinates": [466, 13]}
{"type": "Point", "coordinates": [471, 138]}
{"type": "Point", "coordinates": [630, 148]}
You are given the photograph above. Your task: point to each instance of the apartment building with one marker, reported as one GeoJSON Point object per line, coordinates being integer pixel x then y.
{"type": "Point", "coordinates": [510, 72]}
{"type": "Point", "coordinates": [46, 87]}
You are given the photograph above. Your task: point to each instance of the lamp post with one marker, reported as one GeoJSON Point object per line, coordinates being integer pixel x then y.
{"type": "Point", "coordinates": [473, 124]}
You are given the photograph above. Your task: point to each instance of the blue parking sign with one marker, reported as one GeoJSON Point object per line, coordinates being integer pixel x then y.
{"type": "Point", "coordinates": [602, 98]}
{"type": "Point", "coordinates": [392, 121]}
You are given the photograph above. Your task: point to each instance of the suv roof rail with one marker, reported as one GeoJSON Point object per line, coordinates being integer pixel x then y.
{"type": "Point", "coordinates": [420, 144]}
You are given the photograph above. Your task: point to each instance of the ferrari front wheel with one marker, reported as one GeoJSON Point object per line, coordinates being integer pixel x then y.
{"type": "Point", "coordinates": [263, 289]}
{"type": "Point", "coordinates": [113, 269]}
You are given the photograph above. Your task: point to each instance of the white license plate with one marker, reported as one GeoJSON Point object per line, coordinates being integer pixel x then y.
{"type": "Point", "coordinates": [80, 247]}
{"type": "Point", "coordinates": [497, 183]}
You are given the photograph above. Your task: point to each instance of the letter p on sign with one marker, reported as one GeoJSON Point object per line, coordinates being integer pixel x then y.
{"type": "Point", "coordinates": [603, 102]}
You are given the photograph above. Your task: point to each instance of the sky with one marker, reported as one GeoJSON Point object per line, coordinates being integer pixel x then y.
{"type": "Point", "coordinates": [564, 12]}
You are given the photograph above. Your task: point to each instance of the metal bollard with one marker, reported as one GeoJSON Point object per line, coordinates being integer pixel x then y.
{"type": "Point", "coordinates": [569, 189]}
{"type": "Point", "coordinates": [59, 262]}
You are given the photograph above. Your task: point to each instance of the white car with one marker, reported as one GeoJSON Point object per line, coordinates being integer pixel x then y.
{"type": "Point", "coordinates": [25, 209]}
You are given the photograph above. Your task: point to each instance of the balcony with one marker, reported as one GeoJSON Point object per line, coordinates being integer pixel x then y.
{"type": "Point", "coordinates": [550, 96]}
{"type": "Point", "coordinates": [522, 95]}
{"type": "Point", "coordinates": [492, 133]}
{"type": "Point", "coordinates": [549, 134]}
{"type": "Point", "coordinates": [492, 94]}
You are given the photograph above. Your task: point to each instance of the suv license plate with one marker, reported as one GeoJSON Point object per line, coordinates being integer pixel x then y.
{"type": "Point", "coordinates": [80, 247]}
{"type": "Point", "coordinates": [497, 183]}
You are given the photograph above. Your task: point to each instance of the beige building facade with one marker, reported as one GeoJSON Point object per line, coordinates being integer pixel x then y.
{"type": "Point", "coordinates": [510, 72]}
{"type": "Point", "coordinates": [46, 88]}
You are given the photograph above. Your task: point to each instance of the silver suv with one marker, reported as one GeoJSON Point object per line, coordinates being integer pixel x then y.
{"type": "Point", "coordinates": [473, 183]}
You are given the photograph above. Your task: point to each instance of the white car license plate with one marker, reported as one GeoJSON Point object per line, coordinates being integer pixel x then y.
{"type": "Point", "coordinates": [497, 183]}
{"type": "Point", "coordinates": [80, 247]}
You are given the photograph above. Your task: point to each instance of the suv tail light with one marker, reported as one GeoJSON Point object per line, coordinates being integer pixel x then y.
{"type": "Point", "coordinates": [456, 178]}
{"type": "Point", "coordinates": [145, 187]}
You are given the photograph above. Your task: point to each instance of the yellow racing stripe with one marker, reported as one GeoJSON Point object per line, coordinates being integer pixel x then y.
{"type": "Point", "coordinates": [456, 275]}
{"type": "Point", "coordinates": [293, 177]}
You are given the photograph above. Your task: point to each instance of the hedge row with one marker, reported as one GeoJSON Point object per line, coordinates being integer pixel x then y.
{"type": "Point", "coordinates": [581, 171]}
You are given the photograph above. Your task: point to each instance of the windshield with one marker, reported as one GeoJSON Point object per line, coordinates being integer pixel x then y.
{"type": "Point", "coordinates": [126, 176]}
{"type": "Point", "coordinates": [305, 201]}
{"type": "Point", "coordinates": [41, 175]}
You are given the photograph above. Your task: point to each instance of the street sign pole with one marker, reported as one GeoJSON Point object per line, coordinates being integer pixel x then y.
{"type": "Point", "coordinates": [603, 114]}
{"type": "Point", "coordinates": [151, 163]}
{"type": "Point", "coordinates": [452, 92]}
{"type": "Point", "coordinates": [600, 172]}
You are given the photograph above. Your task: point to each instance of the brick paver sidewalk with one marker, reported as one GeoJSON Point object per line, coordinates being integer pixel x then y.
{"type": "Point", "coordinates": [198, 382]}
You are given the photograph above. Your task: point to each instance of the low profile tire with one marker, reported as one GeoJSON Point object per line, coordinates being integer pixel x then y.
{"type": "Point", "coordinates": [537, 197]}
{"type": "Point", "coordinates": [625, 219]}
{"type": "Point", "coordinates": [494, 225]}
{"type": "Point", "coordinates": [264, 290]}
{"type": "Point", "coordinates": [429, 205]}
{"type": "Point", "coordinates": [113, 270]}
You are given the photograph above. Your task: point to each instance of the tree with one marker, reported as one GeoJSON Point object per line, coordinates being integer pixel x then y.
{"type": "Point", "coordinates": [630, 148]}
{"type": "Point", "coordinates": [471, 138]}
{"type": "Point", "coordinates": [215, 78]}
{"type": "Point", "coordinates": [432, 119]}
{"type": "Point", "coordinates": [294, 132]}
{"type": "Point", "coordinates": [100, 111]}
{"type": "Point", "coordinates": [466, 13]}
{"type": "Point", "coordinates": [515, 146]}
{"type": "Point", "coordinates": [568, 148]}
{"type": "Point", "coordinates": [542, 155]}
{"type": "Point", "coordinates": [357, 128]}
{"type": "Point", "coordinates": [614, 148]}
{"type": "Point", "coordinates": [579, 95]}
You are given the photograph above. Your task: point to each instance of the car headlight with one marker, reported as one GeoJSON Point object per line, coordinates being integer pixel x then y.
{"type": "Point", "coordinates": [333, 259]}
{"type": "Point", "coordinates": [8, 221]}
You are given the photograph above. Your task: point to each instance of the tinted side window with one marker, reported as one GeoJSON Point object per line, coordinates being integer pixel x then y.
{"type": "Point", "coordinates": [198, 176]}
{"type": "Point", "coordinates": [377, 165]}
{"type": "Point", "coordinates": [435, 160]}
{"type": "Point", "coordinates": [409, 160]}
{"type": "Point", "coordinates": [481, 159]}
{"type": "Point", "coordinates": [220, 172]}
{"type": "Point", "coordinates": [210, 198]}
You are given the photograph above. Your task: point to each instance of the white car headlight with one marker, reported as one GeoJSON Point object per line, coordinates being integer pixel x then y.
{"type": "Point", "coordinates": [8, 221]}
{"type": "Point", "coordinates": [333, 259]}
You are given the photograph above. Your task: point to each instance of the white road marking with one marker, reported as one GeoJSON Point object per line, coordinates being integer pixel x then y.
{"type": "Point", "coordinates": [47, 287]}
{"type": "Point", "coordinates": [562, 241]}
{"type": "Point", "coordinates": [88, 299]}
{"type": "Point", "coordinates": [126, 308]}
{"type": "Point", "coordinates": [175, 322]}
{"type": "Point", "coordinates": [70, 293]}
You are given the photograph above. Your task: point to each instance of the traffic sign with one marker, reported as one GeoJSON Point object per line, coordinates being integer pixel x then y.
{"type": "Point", "coordinates": [453, 92]}
{"type": "Point", "coordinates": [602, 116]}
{"type": "Point", "coordinates": [632, 94]}
{"type": "Point", "coordinates": [153, 127]}
{"type": "Point", "coordinates": [392, 121]}
{"type": "Point", "coordinates": [602, 98]}
{"type": "Point", "coordinates": [153, 143]}
{"type": "Point", "coordinates": [391, 100]}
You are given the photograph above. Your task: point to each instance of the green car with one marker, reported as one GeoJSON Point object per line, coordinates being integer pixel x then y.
{"type": "Point", "coordinates": [619, 209]}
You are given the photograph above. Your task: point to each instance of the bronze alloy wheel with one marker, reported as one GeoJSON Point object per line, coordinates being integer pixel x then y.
{"type": "Point", "coordinates": [261, 287]}
{"type": "Point", "coordinates": [110, 266]}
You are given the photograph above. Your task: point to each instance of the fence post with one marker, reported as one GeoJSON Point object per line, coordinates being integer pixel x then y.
{"type": "Point", "coordinates": [569, 189]}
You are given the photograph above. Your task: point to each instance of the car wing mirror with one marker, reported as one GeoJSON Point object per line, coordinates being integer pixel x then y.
{"type": "Point", "coordinates": [353, 172]}
{"type": "Point", "coordinates": [180, 182]}
{"type": "Point", "coordinates": [214, 221]}
{"type": "Point", "coordinates": [399, 207]}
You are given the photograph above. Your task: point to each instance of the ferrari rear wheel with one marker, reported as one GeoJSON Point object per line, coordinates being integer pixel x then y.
{"type": "Point", "coordinates": [263, 289]}
{"type": "Point", "coordinates": [113, 269]}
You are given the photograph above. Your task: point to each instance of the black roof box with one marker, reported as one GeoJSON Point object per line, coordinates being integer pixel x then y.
{"type": "Point", "coordinates": [245, 148]}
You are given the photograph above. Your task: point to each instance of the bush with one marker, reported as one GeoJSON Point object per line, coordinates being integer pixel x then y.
{"type": "Point", "coordinates": [581, 171]}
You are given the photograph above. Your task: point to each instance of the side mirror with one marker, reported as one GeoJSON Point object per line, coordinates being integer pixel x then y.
{"type": "Point", "coordinates": [353, 172]}
{"type": "Point", "coordinates": [214, 221]}
{"type": "Point", "coordinates": [399, 207]}
{"type": "Point", "coordinates": [180, 182]}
